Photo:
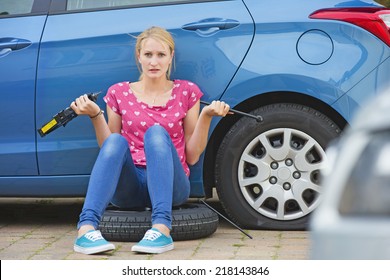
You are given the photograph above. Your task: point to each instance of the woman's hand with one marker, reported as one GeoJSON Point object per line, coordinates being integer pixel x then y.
{"type": "Point", "coordinates": [196, 127]}
{"type": "Point", "coordinates": [216, 108]}
{"type": "Point", "coordinates": [84, 106]}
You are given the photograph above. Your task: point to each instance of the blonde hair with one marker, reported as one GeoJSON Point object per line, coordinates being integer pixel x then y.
{"type": "Point", "coordinates": [159, 34]}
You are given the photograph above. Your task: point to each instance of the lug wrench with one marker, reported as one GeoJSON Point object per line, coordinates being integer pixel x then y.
{"type": "Point", "coordinates": [257, 118]}
{"type": "Point", "coordinates": [233, 224]}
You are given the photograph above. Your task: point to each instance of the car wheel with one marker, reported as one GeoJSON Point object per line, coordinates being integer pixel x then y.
{"type": "Point", "coordinates": [189, 221]}
{"type": "Point", "coordinates": [268, 174]}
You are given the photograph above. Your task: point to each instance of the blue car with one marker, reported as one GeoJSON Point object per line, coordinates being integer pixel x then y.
{"type": "Point", "coordinates": [304, 66]}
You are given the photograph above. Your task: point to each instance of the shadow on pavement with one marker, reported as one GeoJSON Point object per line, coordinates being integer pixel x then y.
{"type": "Point", "coordinates": [40, 210]}
{"type": "Point", "coordinates": [55, 210]}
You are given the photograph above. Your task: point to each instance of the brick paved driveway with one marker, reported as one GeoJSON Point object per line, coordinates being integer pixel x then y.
{"type": "Point", "coordinates": [44, 229]}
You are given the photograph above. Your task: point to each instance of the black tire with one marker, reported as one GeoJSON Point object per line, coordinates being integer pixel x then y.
{"type": "Point", "coordinates": [263, 184]}
{"type": "Point", "coordinates": [189, 221]}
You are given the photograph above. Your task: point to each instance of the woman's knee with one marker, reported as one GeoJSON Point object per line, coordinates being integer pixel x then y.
{"type": "Point", "coordinates": [156, 135]}
{"type": "Point", "coordinates": [115, 145]}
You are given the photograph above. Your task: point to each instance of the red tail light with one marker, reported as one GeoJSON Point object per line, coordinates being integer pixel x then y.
{"type": "Point", "coordinates": [374, 20]}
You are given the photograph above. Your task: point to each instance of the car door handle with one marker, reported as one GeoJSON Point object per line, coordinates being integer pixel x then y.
{"type": "Point", "coordinates": [211, 23]}
{"type": "Point", "coordinates": [14, 43]}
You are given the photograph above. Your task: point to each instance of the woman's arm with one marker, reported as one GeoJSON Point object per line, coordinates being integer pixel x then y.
{"type": "Point", "coordinates": [84, 106]}
{"type": "Point", "coordinates": [196, 127]}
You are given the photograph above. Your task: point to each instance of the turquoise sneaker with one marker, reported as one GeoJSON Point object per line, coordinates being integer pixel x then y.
{"type": "Point", "coordinates": [92, 243]}
{"type": "Point", "coordinates": [154, 242]}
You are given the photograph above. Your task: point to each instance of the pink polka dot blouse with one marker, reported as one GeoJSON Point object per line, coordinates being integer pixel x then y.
{"type": "Point", "coordinates": [138, 116]}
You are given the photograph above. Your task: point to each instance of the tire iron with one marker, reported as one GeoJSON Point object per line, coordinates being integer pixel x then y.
{"type": "Point", "coordinates": [258, 118]}
{"type": "Point", "coordinates": [236, 226]}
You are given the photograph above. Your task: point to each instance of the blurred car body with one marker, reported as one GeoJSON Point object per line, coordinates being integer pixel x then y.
{"type": "Point", "coordinates": [353, 220]}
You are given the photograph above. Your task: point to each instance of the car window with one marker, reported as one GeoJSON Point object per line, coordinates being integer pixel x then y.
{"type": "Point", "coordinates": [367, 191]}
{"type": "Point", "coordinates": [12, 7]}
{"type": "Point", "coordinates": [91, 4]}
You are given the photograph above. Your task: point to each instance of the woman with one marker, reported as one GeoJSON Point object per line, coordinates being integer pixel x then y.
{"type": "Point", "coordinates": [154, 131]}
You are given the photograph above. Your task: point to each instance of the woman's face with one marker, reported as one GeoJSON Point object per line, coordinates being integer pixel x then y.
{"type": "Point", "coordinates": [155, 58]}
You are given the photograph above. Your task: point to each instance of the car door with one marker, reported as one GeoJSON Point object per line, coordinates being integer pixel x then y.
{"type": "Point", "coordinates": [89, 45]}
{"type": "Point", "coordinates": [21, 25]}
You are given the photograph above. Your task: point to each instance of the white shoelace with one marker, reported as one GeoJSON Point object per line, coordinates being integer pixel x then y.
{"type": "Point", "coordinates": [94, 235]}
{"type": "Point", "coordinates": [152, 235]}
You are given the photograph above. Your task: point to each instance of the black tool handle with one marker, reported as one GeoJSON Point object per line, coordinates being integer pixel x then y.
{"type": "Point", "coordinates": [63, 117]}
{"type": "Point", "coordinates": [257, 118]}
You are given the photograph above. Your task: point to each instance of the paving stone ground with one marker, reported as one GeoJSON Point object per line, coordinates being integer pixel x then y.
{"type": "Point", "coordinates": [44, 229]}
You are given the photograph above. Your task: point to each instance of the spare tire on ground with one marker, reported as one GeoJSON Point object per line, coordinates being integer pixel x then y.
{"type": "Point", "coordinates": [189, 221]}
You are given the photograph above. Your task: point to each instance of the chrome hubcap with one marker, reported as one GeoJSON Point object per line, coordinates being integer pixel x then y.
{"type": "Point", "coordinates": [278, 173]}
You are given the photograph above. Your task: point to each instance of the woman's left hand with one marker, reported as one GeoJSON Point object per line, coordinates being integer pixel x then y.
{"type": "Point", "coordinates": [216, 108]}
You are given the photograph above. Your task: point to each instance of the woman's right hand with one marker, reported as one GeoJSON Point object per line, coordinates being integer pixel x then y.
{"type": "Point", "coordinates": [84, 106]}
{"type": "Point", "coordinates": [217, 108]}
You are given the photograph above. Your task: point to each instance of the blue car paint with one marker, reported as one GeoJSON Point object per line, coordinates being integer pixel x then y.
{"type": "Point", "coordinates": [280, 67]}
{"type": "Point", "coordinates": [376, 82]}
{"type": "Point", "coordinates": [96, 56]}
{"type": "Point", "coordinates": [75, 60]}
{"type": "Point", "coordinates": [327, 82]}
{"type": "Point", "coordinates": [17, 79]}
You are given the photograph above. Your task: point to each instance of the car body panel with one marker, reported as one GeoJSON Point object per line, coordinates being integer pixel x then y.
{"type": "Point", "coordinates": [18, 59]}
{"type": "Point", "coordinates": [238, 63]}
{"type": "Point", "coordinates": [373, 83]}
{"type": "Point", "coordinates": [74, 60]}
{"type": "Point", "coordinates": [274, 69]}
{"type": "Point", "coordinates": [327, 81]}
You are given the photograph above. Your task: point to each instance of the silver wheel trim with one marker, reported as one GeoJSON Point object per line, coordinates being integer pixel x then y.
{"type": "Point", "coordinates": [278, 173]}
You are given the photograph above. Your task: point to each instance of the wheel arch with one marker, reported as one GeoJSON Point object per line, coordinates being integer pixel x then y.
{"type": "Point", "coordinates": [248, 105]}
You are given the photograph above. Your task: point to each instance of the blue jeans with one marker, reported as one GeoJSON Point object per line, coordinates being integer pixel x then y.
{"type": "Point", "coordinates": [116, 179]}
